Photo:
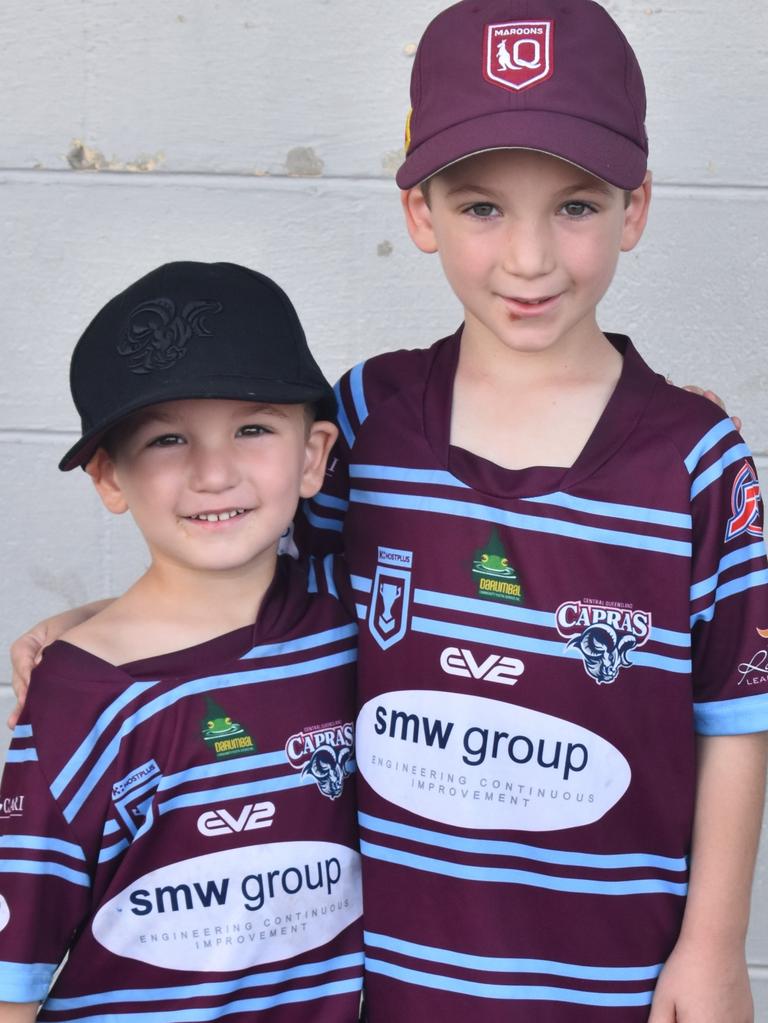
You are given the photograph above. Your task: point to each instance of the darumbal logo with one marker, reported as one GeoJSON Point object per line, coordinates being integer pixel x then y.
{"type": "Point", "coordinates": [225, 736]}
{"type": "Point", "coordinates": [496, 578]}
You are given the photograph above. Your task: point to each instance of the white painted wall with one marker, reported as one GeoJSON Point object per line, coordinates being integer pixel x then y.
{"type": "Point", "coordinates": [266, 132]}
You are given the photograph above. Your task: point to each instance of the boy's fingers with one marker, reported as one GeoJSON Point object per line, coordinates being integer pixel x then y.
{"type": "Point", "coordinates": [13, 717]}
{"type": "Point", "coordinates": [714, 397]}
{"type": "Point", "coordinates": [25, 655]}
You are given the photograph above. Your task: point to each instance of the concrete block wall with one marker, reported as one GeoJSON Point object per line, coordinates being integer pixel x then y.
{"type": "Point", "coordinates": [267, 133]}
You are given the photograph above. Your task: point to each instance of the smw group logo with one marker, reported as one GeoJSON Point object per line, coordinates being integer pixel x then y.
{"type": "Point", "coordinates": [391, 596]}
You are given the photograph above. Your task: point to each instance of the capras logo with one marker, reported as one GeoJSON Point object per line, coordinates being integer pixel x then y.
{"type": "Point", "coordinates": [495, 668]}
{"type": "Point", "coordinates": [575, 615]}
{"type": "Point", "coordinates": [214, 823]}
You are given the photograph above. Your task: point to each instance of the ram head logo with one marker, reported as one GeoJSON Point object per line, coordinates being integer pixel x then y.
{"type": "Point", "coordinates": [604, 650]}
{"type": "Point", "coordinates": [330, 767]}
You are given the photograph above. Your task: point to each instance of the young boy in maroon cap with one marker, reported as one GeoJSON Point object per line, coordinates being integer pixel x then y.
{"type": "Point", "coordinates": [181, 816]}
{"type": "Point", "coordinates": [560, 575]}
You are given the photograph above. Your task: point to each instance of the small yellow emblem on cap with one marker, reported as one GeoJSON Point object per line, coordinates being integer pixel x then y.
{"type": "Point", "coordinates": [408, 130]}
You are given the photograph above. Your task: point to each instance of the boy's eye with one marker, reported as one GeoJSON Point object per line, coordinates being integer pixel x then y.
{"type": "Point", "coordinates": [576, 210]}
{"type": "Point", "coordinates": [166, 440]}
{"type": "Point", "coordinates": [252, 430]}
{"type": "Point", "coordinates": [483, 210]}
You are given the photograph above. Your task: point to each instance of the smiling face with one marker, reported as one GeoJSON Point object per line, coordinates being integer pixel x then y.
{"type": "Point", "coordinates": [529, 244]}
{"type": "Point", "coordinates": [212, 484]}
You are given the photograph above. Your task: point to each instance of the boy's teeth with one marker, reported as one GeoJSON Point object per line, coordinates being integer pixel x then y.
{"type": "Point", "coordinates": [220, 517]}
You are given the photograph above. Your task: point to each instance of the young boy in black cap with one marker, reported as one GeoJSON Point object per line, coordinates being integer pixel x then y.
{"type": "Point", "coordinates": [182, 819]}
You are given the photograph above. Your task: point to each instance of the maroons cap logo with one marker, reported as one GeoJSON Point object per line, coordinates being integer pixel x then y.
{"type": "Point", "coordinates": [518, 54]}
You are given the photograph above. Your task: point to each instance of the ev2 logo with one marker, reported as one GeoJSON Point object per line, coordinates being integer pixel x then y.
{"type": "Point", "coordinates": [495, 668]}
{"type": "Point", "coordinates": [217, 822]}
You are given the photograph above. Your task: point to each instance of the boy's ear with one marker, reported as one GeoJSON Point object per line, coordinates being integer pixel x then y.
{"type": "Point", "coordinates": [102, 471]}
{"type": "Point", "coordinates": [418, 219]}
{"type": "Point", "coordinates": [636, 214]}
{"type": "Point", "coordinates": [320, 439]}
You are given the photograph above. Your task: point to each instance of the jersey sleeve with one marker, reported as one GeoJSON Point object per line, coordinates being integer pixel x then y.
{"type": "Point", "coordinates": [319, 523]}
{"type": "Point", "coordinates": [729, 591]}
{"type": "Point", "coordinates": [44, 881]}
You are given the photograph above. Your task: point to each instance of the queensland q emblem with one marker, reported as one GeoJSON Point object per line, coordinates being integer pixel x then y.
{"type": "Point", "coordinates": [518, 54]}
{"type": "Point", "coordinates": [390, 597]}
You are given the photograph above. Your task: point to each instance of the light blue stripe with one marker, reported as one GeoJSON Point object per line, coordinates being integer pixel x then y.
{"type": "Point", "coordinates": [745, 582]}
{"type": "Point", "coordinates": [202, 1015]}
{"type": "Point", "coordinates": [716, 470]}
{"type": "Point", "coordinates": [22, 732]}
{"type": "Point", "coordinates": [21, 756]}
{"type": "Point", "coordinates": [109, 852]}
{"type": "Point", "coordinates": [494, 964]}
{"type": "Point", "coordinates": [111, 827]}
{"type": "Point", "coordinates": [194, 688]}
{"type": "Point", "coordinates": [361, 611]}
{"type": "Point", "coordinates": [77, 760]}
{"type": "Point", "coordinates": [212, 989]}
{"type": "Point", "coordinates": [732, 717]}
{"type": "Point", "coordinates": [506, 875]}
{"type": "Point", "coordinates": [25, 982]}
{"type": "Point", "coordinates": [755, 550]}
{"type": "Point", "coordinates": [452, 630]}
{"type": "Point", "coordinates": [359, 582]}
{"type": "Point", "coordinates": [237, 765]}
{"type": "Point", "coordinates": [707, 442]}
{"type": "Point", "coordinates": [319, 522]}
{"type": "Point", "coordinates": [342, 419]}
{"type": "Point", "coordinates": [44, 867]}
{"type": "Point", "coordinates": [312, 576]}
{"type": "Point", "coordinates": [293, 646]}
{"type": "Point", "coordinates": [43, 844]}
{"type": "Point", "coordinates": [512, 613]}
{"type": "Point", "coordinates": [492, 847]}
{"type": "Point", "coordinates": [400, 474]}
{"type": "Point", "coordinates": [254, 788]}
{"type": "Point", "coordinates": [606, 509]}
{"type": "Point", "coordinates": [554, 527]}
{"type": "Point", "coordinates": [508, 992]}
{"type": "Point", "coordinates": [358, 392]}
{"type": "Point", "coordinates": [330, 502]}
{"type": "Point", "coordinates": [330, 581]}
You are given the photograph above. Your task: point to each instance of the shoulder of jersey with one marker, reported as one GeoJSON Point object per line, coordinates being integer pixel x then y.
{"type": "Point", "coordinates": [370, 384]}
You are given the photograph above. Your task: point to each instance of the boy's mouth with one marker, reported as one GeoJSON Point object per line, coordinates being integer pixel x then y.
{"type": "Point", "coordinates": [530, 306]}
{"type": "Point", "coordinates": [221, 516]}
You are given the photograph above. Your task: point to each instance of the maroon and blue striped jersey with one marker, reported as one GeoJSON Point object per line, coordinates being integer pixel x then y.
{"type": "Point", "coordinates": [538, 650]}
{"type": "Point", "coordinates": [185, 828]}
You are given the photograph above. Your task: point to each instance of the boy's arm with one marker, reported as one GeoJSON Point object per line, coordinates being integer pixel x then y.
{"type": "Point", "coordinates": [18, 1012]}
{"type": "Point", "coordinates": [28, 649]}
{"type": "Point", "coordinates": [705, 979]}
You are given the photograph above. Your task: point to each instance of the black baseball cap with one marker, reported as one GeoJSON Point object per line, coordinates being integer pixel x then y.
{"type": "Point", "coordinates": [191, 330]}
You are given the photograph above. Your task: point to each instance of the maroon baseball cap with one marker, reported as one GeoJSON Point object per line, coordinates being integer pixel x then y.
{"type": "Point", "coordinates": [552, 75]}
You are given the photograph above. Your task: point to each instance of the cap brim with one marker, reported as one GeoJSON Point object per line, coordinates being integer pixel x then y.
{"type": "Point", "coordinates": [276, 392]}
{"type": "Point", "coordinates": [598, 150]}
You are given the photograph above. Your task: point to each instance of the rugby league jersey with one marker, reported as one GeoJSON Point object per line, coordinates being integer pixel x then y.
{"type": "Point", "coordinates": [185, 826]}
{"type": "Point", "coordinates": [538, 650]}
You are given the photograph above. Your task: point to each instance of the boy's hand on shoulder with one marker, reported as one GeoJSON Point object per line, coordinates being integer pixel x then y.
{"type": "Point", "coordinates": [701, 985]}
{"type": "Point", "coordinates": [716, 399]}
{"type": "Point", "coordinates": [27, 650]}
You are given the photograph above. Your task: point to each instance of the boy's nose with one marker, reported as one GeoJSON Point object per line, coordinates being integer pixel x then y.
{"type": "Point", "coordinates": [529, 252]}
{"type": "Point", "coordinates": [213, 469]}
